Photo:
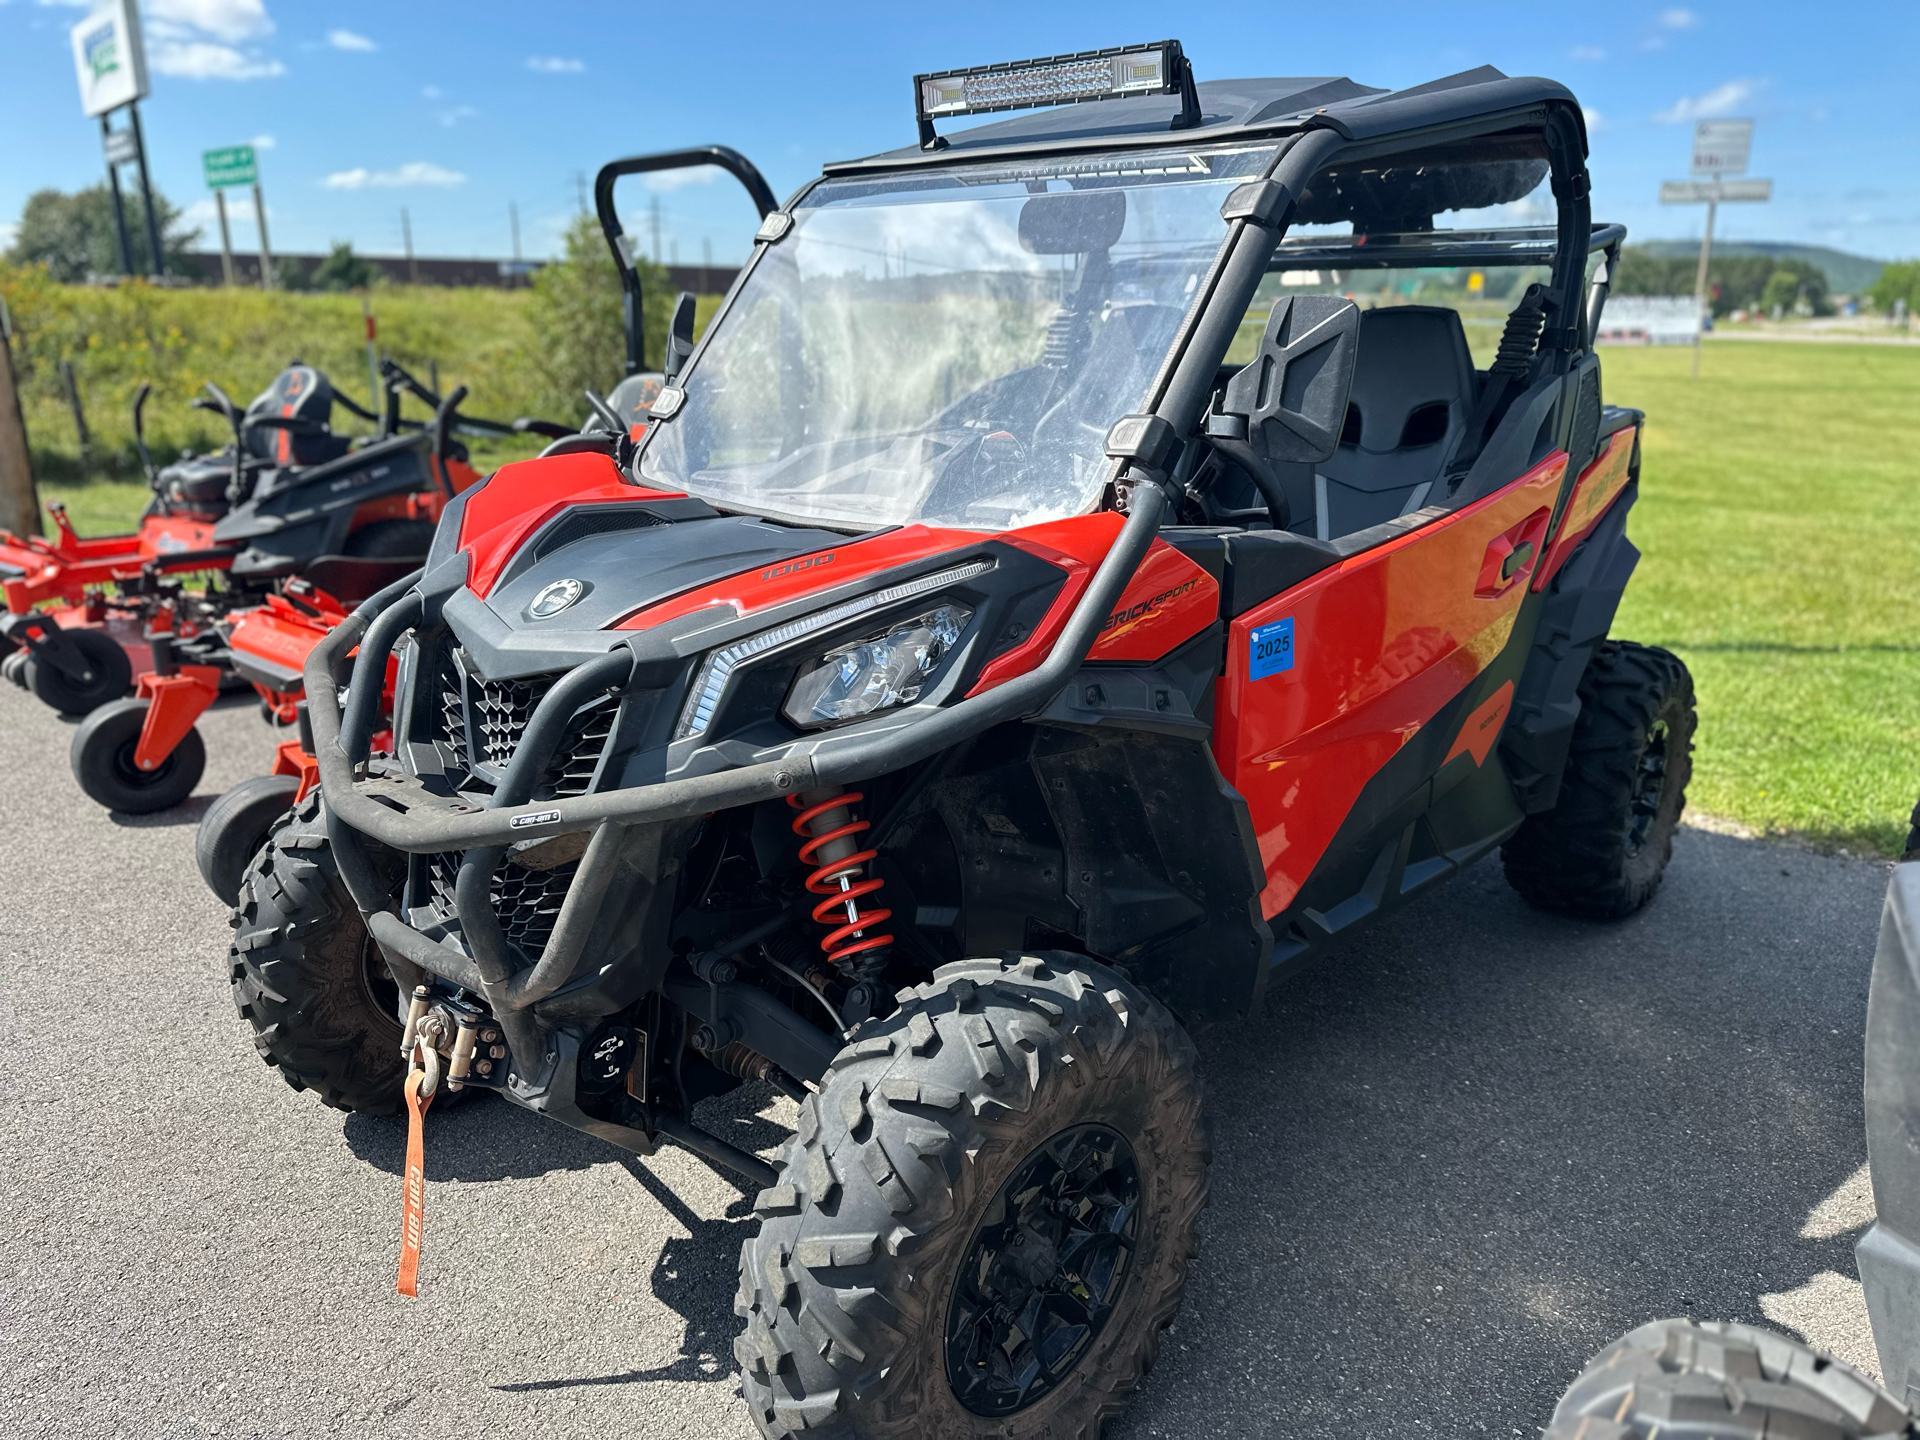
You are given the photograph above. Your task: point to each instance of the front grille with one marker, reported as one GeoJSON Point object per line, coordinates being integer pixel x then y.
{"type": "Point", "coordinates": [527, 901]}
{"type": "Point", "coordinates": [482, 722]}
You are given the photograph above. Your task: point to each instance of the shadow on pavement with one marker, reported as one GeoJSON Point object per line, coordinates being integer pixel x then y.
{"type": "Point", "coordinates": [1482, 1141]}
{"type": "Point", "coordinates": [187, 812]}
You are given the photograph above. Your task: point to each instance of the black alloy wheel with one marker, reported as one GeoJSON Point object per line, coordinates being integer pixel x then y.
{"type": "Point", "coordinates": [1044, 1268]}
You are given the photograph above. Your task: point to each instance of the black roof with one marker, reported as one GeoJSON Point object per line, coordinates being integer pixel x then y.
{"type": "Point", "coordinates": [1236, 109]}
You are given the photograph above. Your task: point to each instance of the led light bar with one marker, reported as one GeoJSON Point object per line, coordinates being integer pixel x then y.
{"type": "Point", "coordinates": [711, 682]}
{"type": "Point", "coordinates": [1157, 69]}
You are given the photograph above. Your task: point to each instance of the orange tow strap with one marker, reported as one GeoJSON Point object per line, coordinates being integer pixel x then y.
{"type": "Point", "coordinates": [408, 1283]}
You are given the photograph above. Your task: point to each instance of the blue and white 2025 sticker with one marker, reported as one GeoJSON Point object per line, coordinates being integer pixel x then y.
{"type": "Point", "coordinates": [1270, 649]}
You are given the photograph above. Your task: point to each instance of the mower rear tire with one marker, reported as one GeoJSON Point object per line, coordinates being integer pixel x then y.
{"type": "Point", "coordinates": [308, 977]}
{"type": "Point", "coordinates": [1718, 1381]}
{"type": "Point", "coordinates": [235, 826]}
{"type": "Point", "coordinates": [109, 675]}
{"type": "Point", "coordinates": [1603, 848]}
{"type": "Point", "coordinates": [13, 669]}
{"type": "Point", "coordinates": [1912, 851]}
{"type": "Point", "coordinates": [102, 759]}
{"type": "Point", "coordinates": [1018, 1128]}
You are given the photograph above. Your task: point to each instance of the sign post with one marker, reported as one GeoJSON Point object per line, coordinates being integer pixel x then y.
{"type": "Point", "coordinates": [224, 169]}
{"type": "Point", "coordinates": [1720, 150]}
{"type": "Point", "coordinates": [111, 62]}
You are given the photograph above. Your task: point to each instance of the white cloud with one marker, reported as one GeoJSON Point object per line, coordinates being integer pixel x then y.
{"type": "Point", "coordinates": [7, 232]}
{"type": "Point", "coordinates": [413, 173]}
{"type": "Point", "coordinates": [554, 65]}
{"type": "Point", "coordinates": [456, 114]}
{"type": "Point", "coordinates": [666, 180]}
{"type": "Point", "coordinates": [430, 92]}
{"type": "Point", "coordinates": [1587, 52]}
{"type": "Point", "coordinates": [204, 60]}
{"type": "Point", "coordinates": [206, 214]}
{"type": "Point", "coordinates": [347, 40]}
{"type": "Point", "coordinates": [228, 20]}
{"type": "Point", "coordinates": [262, 142]}
{"type": "Point", "coordinates": [1678, 19]}
{"type": "Point", "coordinates": [1717, 101]}
{"type": "Point", "coordinates": [1596, 122]}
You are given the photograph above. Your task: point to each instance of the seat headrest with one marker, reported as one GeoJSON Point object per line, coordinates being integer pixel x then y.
{"type": "Point", "coordinates": [304, 393]}
{"type": "Point", "coordinates": [1411, 357]}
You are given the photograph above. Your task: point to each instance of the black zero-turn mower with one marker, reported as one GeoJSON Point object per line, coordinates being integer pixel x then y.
{"type": "Point", "coordinates": [1067, 588]}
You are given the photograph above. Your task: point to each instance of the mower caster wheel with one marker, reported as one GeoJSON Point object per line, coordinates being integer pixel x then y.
{"type": "Point", "coordinates": [1602, 849]}
{"type": "Point", "coordinates": [985, 1219]}
{"type": "Point", "coordinates": [102, 758]}
{"type": "Point", "coordinates": [1718, 1381]}
{"type": "Point", "coordinates": [109, 675]}
{"type": "Point", "coordinates": [235, 826]}
{"type": "Point", "coordinates": [13, 669]}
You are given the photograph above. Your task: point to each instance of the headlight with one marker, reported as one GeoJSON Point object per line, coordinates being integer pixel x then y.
{"type": "Point", "coordinates": [876, 673]}
{"type": "Point", "coordinates": [710, 683]}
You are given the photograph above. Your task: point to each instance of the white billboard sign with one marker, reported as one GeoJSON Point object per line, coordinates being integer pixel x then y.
{"type": "Point", "coordinates": [1650, 320]}
{"type": "Point", "coordinates": [1721, 147]}
{"type": "Point", "coordinates": [109, 58]}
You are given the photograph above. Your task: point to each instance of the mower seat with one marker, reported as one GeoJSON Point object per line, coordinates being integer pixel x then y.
{"type": "Point", "coordinates": [1413, 387]}
{"type": "Point", "coordinates": [196, 482]}
{"type": "Point", "coordinates": [301, 393]}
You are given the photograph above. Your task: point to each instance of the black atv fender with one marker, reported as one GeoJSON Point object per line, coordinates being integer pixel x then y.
{"type": "Point", "coordinates": [309, 512]}
{"type": "Point", "coordinates": [1579, 610]}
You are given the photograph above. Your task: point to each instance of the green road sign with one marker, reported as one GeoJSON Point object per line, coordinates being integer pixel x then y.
{"type": "Point", "coordinates": [229, 167]}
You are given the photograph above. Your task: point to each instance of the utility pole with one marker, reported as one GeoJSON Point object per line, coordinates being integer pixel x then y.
{"type": "Point", "coordinates": [19, 500]}
{"type": "Point", "coordinates": [513, 215]}
{"type": "Point", "coordinates": [706, 264]}
{"type": "Point", "coordinates": [580, 189]}
{"type": "Point", "coordinates": [656, 229]}
{"type": "Point", "coordinates": [406, 239]}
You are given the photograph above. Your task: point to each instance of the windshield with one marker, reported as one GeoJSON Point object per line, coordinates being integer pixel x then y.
{"type": "Point", "coordinates": [949, 347]}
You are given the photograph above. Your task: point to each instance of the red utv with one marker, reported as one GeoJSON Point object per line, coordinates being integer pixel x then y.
{"type": "Point", "coordinates": [1092, 564]}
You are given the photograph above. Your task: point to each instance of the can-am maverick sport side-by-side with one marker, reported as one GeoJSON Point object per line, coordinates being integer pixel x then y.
{"type": "Point", "coordinates": [1090, 564]}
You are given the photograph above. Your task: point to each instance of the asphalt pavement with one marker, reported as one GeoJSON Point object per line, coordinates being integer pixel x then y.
{"type": "Point", "coordinates": [1449, 1165]}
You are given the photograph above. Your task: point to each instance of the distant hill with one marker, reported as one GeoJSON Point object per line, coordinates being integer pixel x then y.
{"type": "Point", "coordinates": [1846, 274]}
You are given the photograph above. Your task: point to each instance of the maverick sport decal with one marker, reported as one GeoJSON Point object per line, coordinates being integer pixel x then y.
{"type": "Point", "coordinates": [1147, 607]}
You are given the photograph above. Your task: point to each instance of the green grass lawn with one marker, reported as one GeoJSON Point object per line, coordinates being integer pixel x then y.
{"type": "Point", "coordinates": [1779, 517]}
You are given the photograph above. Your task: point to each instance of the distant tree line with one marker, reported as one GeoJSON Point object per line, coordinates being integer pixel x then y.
{"type": "Point", "coordinates": [73, 236]}
{"type": "Point", "coordinates": [1898, 281]}
{"type": "Point", "coordinates": [1734, 282]}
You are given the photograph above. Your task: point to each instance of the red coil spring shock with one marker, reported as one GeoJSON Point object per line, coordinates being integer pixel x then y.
{"type": "Point", "coordinates": [827, 827]}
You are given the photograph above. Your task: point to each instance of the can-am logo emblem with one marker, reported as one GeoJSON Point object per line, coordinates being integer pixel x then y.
{"type": "Point", "coordinates": [555, 598]}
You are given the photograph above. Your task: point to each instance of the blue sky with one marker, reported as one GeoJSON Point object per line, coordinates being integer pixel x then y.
{"type": "Point", "coordinates": [457, 112]}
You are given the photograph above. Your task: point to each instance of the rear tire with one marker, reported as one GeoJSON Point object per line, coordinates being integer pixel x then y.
{"type": "Point", "coordinates": [1683, 1378]}
{"type": "Point", "coordinates": [941, 1166]}
{"type": "Point", "coordinates": [1913, 836]}
{"type": "Point", "coordinates": [308, 977]}
{"type": "Point", "coordinates": [13, 669]}
{"type": "Point", "coordinates": [236, 826]}
{"type": "Point", "coordinates": [1603, 848]}
{"type": "Point", "coordinates": [102, 760]}
{"type": "Point", "coordinates": [109, 675]}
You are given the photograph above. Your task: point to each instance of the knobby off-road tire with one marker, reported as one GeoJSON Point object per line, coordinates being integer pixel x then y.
{"type": "Point", "coordinates": [108, 675]}
{"type": "Point", "coordinates": [1603, 848]}
{"type": "Point", "coordinates": [102, 752]}
{"type": "Point", "coordinates": [236, 826]}
{"type": "Point", "coordinates": [1684, 1380]}
{"type": "Point", "coordinates": [308, 977]}
{"type": "Point", "coordinates": [920, 1122]}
